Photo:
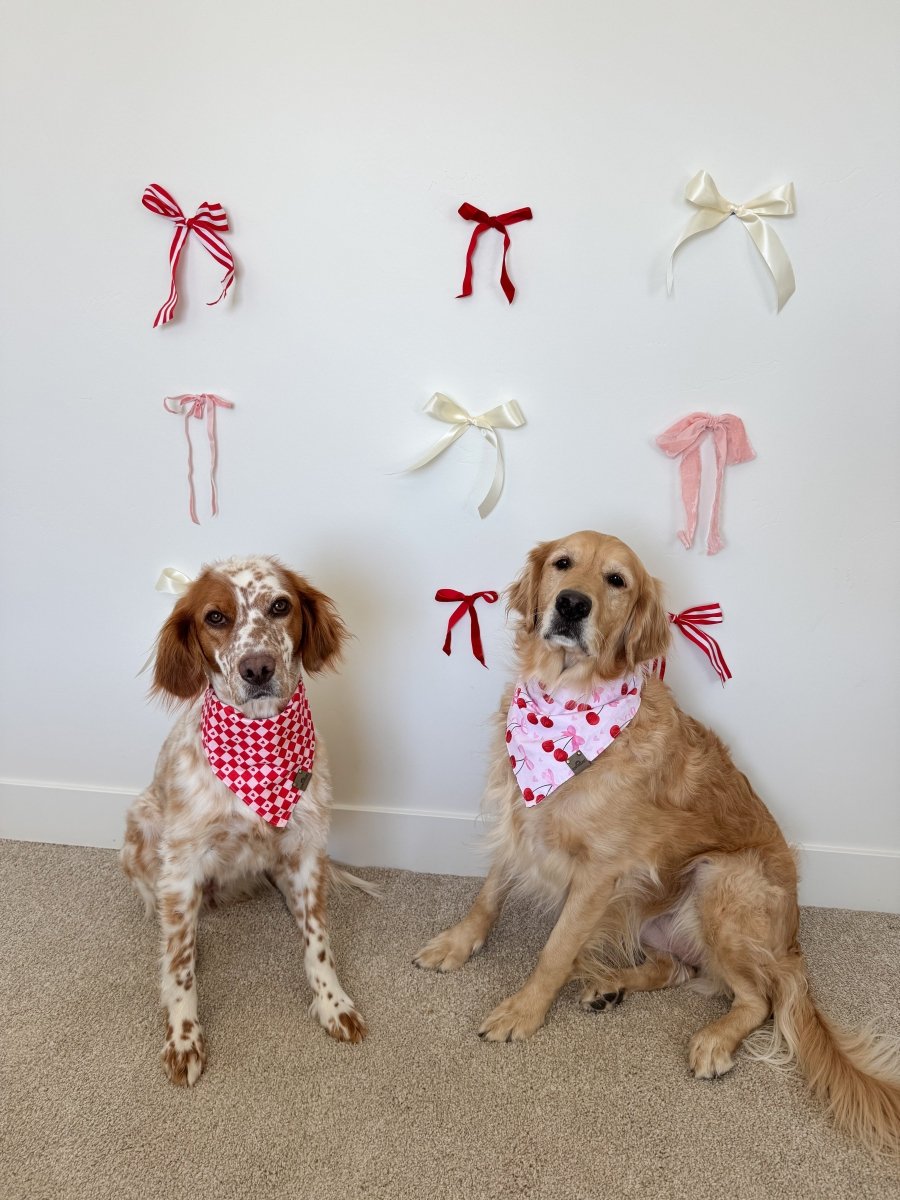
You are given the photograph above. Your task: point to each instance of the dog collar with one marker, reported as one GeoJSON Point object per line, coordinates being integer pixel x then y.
{"type": "Point", "coordinates": [551, 738]}
{"type": "Point", "coordinates": [266, 763]}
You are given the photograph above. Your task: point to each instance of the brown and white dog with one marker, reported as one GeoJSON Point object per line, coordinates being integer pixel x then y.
{"type": "Point", "coordinates": [660, 848]}
{"type": "Point", "coordinates": [248, 628]}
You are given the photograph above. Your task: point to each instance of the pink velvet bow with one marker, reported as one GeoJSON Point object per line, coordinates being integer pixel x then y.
{"type": "Point", "coordinates": [731, 445]}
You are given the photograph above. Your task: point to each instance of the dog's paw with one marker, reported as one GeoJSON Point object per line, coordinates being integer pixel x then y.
{"type": "Point", "coordinates": [514, 1020]}
{"type": "Point", "coordinates": [708, 1056]}
{"type": "Point", "coordinates": [601, 998]}
{"type": "Point", "coordinates": [448, 951]}
{"type": "Point", "coordinates": [338, 1017]}
{"type": "Point", "coordinates": [184, 1054]}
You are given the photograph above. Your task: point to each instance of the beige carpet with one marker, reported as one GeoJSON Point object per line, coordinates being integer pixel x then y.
{"type": "Point", "coordinates": [596, 1105]}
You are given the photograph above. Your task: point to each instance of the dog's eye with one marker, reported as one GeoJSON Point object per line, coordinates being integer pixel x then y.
{"type": "Point", "coordinates": [214, 617]}
{"type": "Point", "coordinates": [615, 580]}
{"type": "Point", "coordinates": [563, 564]}
{"type": "Point", "coordinates": [280, 608]}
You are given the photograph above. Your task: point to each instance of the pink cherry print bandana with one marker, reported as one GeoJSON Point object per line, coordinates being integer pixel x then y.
{"type": "Point", "coordinates": [268, 763]}
{"type": "Point", "coordinates": [552, 738]}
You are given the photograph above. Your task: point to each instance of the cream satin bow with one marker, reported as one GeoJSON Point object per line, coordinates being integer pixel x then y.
{"type": "Point", "coordinates": [172, 581]}
{"type": "Point", "coordinates": [714, 208]}
{"type": "Point", "coordinates": [504, 416]}
{"type": "Point", "coordinates": [176, 583]}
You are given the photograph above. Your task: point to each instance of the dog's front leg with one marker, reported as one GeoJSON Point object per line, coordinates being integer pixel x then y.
{"type": "Point", "coordinates": [456, 945]}
{"type": "Point", "coordinates": [302, 878]}
{"type": "Point", "coordinates": [178, 902]}
{"type": "Point", "coordinates": [519, 1016]}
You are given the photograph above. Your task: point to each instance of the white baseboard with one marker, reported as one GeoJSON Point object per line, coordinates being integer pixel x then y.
{"type": "Point", "coordinates": [441, 843]}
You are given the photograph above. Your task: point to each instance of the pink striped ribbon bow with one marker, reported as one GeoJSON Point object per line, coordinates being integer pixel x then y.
{"type": "Point", "coordinates": [204, 403]}
{"type": "Point", "coordinates": [690, 622]}
{"type": "Point", "coordinates": [731, 446]}
{"type": "Point", "coordinates": [207, 222]}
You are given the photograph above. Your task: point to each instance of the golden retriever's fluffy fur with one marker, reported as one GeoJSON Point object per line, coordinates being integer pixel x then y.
{"type": "Point", "coordinates": [660, 850]}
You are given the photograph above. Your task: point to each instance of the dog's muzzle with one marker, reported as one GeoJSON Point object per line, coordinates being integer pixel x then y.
{"type": "Point", "coordinates": [569, 614]}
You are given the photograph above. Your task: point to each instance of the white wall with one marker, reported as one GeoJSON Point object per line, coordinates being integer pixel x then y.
{"type": "Point", "coordinates": [341, 139]}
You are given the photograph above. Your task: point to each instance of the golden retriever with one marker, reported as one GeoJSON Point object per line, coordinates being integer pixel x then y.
{"type": "Point", "coordinates": [659, 848]}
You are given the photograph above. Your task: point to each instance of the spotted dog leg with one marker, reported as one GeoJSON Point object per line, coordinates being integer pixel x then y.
{"type": "Point", "coordinates": [184, 1054]}
{"type": "Point", "coordinates": [302, 879]}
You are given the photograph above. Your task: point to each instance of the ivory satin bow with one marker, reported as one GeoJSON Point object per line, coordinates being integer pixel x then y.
{"type": "Point", "coordinates": [208, 222]}
{"type": "Point", "coordinates": [175, 582]}
{"type": "Point", "coordinates": [714, 208]}
{"type": "Point", "coordinates": [731, 446]}
{"type": "Point", "coordinates": [197, 406]}
{"type": "Point", "coordinates": [504, 416]}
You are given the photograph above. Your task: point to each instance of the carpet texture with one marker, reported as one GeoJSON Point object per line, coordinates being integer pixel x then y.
{"type": "Point", "coordinates": [596, 1105]}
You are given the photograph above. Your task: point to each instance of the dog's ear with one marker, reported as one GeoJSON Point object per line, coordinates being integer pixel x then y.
{"type": "Point", "coordinates": [178, 668]}
{"type": "Point", "coordinates": [522, 596]}
{"type": "Point", "coordinates": [647, 630]}
{"type": "Point", "coordinates": [322, 632]}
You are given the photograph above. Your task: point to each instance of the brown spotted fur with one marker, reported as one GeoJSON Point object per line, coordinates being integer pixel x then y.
{"type": "Point", "coordinates": [188, 837]}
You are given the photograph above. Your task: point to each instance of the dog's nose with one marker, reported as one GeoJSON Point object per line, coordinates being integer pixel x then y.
{"type": "Point", "coordinates": [572, 605]}
{"type": "Point", "coordinates": [257, 668]}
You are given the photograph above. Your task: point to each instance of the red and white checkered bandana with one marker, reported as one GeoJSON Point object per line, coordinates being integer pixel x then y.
{"type": "Point", "coordinates": [268, 763]}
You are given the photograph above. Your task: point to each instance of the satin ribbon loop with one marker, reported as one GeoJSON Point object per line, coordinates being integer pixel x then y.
{"type": "Point", "coordinates": [781, 201]}
{"type": "Point", "coordinates": [466, 605]}
{"type": "Point", "coordinates": [731, 445]}
{"type": "Point", "coordinates": [196, 406]}
{"type": "Point", "coordinates": [173, 581]}
{"type": "Point", "coordinates": [208, 222]}
{"type": "Point", "coordinates": [469, 212]}
{"type": "Point", "coordinates": [690, 622]}
{"type": "Point", "coordinates": [504, 416]}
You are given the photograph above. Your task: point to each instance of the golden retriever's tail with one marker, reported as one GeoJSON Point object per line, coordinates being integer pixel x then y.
{"type": "Point", "coordinates": [856, 1074]}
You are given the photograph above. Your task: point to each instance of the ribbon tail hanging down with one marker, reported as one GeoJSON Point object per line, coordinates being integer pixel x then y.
{"type": "Point", "coordinates": [504, 416]}
{"type": "Point", "coordinates": [774, 255]}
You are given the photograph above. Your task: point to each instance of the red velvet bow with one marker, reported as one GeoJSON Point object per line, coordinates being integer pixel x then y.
{"type": "Point", "coordinates": [470, 213]}
{"type": "Point", "coordinates": [690, 622]}
{"type": "Point", "coordinates": [207, 223]}
{"type": "Point", "coordinates": [467, 604]}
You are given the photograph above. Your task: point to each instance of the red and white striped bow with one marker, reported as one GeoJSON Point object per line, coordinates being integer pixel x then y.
{"type": "Point", "coordinates": [690, 623]}
{"type": "Point", "coordinates": [198, 406]}
{"type": "Point", "coordinates": [207, 222]}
